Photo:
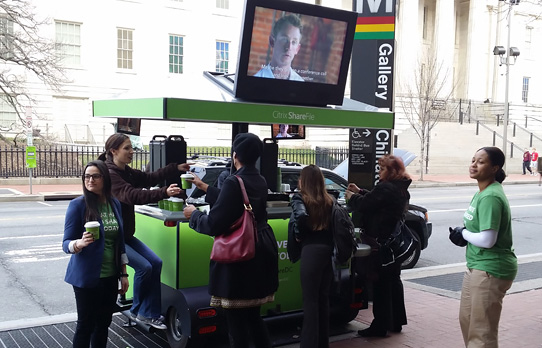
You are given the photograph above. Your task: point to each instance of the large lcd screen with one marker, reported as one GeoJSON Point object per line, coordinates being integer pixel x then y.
{"type": "Point", "coordinates": [295, 47]}
{"type": "Point", "coordinates": [294, 53]}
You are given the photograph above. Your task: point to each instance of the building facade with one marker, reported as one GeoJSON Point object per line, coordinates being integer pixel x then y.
{"type": "Point", "coordinates": [160, 48]}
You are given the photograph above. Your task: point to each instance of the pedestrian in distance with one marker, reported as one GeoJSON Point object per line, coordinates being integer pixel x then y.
{"type": "Point", "coordinates": [534, 161]}
{"type": "Point", "coordinates": [131, 186]}
{"type": "Point", "coordinates": [491, 263]}
{"type": "Point", "coordinates": [527, 161]}
{"type": "Point", "coordinates": [240, 288]}
{"type": "Point", "coordinates": [381, 209]}
{"type": "Point", "coordinates": [310, 223]}
{"type": "Point", "coordinates": [97, 265]}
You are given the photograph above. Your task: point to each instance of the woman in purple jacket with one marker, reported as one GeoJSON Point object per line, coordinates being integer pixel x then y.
{"type": "Point", "coordinates": [97, 265]}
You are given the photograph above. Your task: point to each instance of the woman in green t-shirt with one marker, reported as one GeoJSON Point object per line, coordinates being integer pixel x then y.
{"type": "Point", "coordinates": [491, 262]}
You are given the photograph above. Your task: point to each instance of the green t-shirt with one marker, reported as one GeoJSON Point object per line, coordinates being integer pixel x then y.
{"type": "Point", "coordinates": [111, 229]}
{"type": "Point", "coordinates": [490, 210]}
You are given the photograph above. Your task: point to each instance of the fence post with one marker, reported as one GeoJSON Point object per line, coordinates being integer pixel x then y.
{"type": "Point", "coordinates": [511, 150]}
{"type": "Point", "coordinates": [531, 140]}
{"type": "Point", "coordinates": [498, 117]}
{"type": "Point", "coordinates": [525, 121]}
{"type": "Point", "coordinates": [477, 127]}
{"type": "Point", "coordinates": [494, 136]}
{"type": "Point", "coordinates": [514, 130]}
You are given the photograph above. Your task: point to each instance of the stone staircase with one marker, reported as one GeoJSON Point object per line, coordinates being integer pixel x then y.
{"type": "Point", "coordinates": [452, 146]}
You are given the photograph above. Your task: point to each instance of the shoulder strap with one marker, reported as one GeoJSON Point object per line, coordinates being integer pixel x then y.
{"type": "Point", "coordinates": [242, 184]}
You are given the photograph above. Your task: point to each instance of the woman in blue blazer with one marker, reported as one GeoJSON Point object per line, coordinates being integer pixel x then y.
{"type": "Point", "coordinates": [96, 265]}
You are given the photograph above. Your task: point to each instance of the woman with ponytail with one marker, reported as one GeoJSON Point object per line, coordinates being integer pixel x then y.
{"type": "Point", "coordinates": [491, 262]}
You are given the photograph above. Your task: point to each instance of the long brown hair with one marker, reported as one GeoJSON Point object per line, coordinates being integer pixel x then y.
{"type": "Point", "coordinates": [113, 142]}
{"type": "Point", "coordinates": [395, 168]}
{"type": "Point", "coordinates": [317, 201]}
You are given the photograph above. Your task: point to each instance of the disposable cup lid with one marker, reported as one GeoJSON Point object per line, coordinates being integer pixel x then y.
{"type": "Point", "coordinates": [175, 199]}
{"type": "Point", "coordinates": [187, 176]}
{"type": "Point", "coordinates": [92, 224]}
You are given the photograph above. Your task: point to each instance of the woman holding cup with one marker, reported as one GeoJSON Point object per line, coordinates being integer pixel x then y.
{"type": "Point", "coordinates": [93, 234]}
{"type": "Point", "coordinates": [131, 186]}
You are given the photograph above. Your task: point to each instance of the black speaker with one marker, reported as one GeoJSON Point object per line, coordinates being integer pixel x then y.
{"type": "Point", "coordinates": [268, 163]}
{"type": "Point", "coordinates": [165, 150]}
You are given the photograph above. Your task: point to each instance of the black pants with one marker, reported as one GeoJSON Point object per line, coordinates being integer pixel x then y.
{"type": "Point", "coordinates": [244, 323]}
{"type": "Point", "coordinates": [95, 308]}
{"type": "Point", "coordinates": [527, 165]}
{"type": "Point", "coordinates": [316, 277]}
{"type": "Point", "coordinates": [388, 299]}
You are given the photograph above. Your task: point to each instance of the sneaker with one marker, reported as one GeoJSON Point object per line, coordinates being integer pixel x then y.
{"type": "Point", "coordinates": [157, 323]}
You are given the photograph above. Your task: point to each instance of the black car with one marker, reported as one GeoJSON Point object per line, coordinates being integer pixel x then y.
{"type": "Point", "coordinates": [416, 218]}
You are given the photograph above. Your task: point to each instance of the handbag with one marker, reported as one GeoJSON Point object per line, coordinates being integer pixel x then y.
{"type": "Point", "coordinates": [399, 247]}
{"type": "Point", "coordinates": [239, 244]}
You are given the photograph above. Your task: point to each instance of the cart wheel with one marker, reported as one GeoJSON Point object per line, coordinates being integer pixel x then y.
{"type": "Point", "coordinates": [175, 336]}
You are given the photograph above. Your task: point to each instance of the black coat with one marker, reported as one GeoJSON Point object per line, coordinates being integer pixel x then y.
{"type": "Point", "coordinates": [382, 207]}
{"type": "Point", "coordinates": [253, 279]}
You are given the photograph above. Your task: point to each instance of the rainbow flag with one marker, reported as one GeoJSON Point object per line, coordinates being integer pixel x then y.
{"type": "Point", "coordinates": [374, 28]}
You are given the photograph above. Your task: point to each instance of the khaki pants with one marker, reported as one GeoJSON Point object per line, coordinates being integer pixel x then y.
{"type": "Point", "coordinates": [480, 308]}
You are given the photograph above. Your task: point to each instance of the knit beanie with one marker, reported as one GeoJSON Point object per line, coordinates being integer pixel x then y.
{"type": "Point", "coordinates": [248, 147]}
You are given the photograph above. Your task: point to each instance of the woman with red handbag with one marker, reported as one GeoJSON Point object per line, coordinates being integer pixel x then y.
{"type": "Point", "coordinates": [240, 288]}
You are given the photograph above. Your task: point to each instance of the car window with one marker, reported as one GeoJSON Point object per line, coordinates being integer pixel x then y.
{"type": "Point", "coordinates": [334, 184]}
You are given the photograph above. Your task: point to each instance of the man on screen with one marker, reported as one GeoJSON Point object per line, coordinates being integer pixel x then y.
{"type": "Point", "coordinates": [283, 131]}
{"type": "Point", "coordinates": [285, 39]}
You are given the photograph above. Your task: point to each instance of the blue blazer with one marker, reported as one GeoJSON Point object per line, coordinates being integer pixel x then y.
{"type": "Point", "coordinates": [84, 267]}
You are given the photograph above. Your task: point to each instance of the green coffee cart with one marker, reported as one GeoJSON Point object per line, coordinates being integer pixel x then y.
{"type": "Point", "coordinates": [185, 253]}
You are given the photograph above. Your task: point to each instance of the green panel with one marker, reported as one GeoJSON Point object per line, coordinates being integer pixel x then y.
{"type": "Point", "coordinates": [203, 110]}
{"type": "Point", "coordinates": [136, 108]}
{"type": "Point", "coordinates": [288, 297]}
{"type": "Point", "coordinates": [194, 255]}
{"type": "Point", "coordinates": [377, 35]}
{"type": "Point", "coordinates": [163, 241]}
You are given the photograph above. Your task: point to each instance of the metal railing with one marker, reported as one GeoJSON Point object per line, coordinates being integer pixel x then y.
{"type": "Point", "coordinates": [69, 160]}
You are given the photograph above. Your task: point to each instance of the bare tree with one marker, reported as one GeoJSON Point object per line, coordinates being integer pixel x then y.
{"type": "Point", "coordinates": [24, 55]}
{"type": "Point", "coordinates": [425, 102]}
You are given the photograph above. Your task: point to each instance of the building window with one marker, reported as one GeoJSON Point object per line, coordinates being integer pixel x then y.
{"type": "Point", "coordinates": [424, 24]}
{"type": "Point", "coordinates": [125, 48]}
{"type": "Point", "coordinates": [223, 4]}
{"type": "Point", "coordinates": [8, 116]}
{"type": "Point", "coordinates": [68, 42]}
{"type": "Point", "coordinates": [222, 56]}
{"type": "Point", "coordinates": [525, 89]}
{"type": "Point", "coordinates": [176, 54]}
{"type": "Point", "coordinates": [6, 37]}
{"type": "Point", "coordinates": [528, 34]}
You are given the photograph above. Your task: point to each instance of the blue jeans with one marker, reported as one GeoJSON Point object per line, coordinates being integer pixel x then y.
{"type": "Point", "coordinates": [147, 289]}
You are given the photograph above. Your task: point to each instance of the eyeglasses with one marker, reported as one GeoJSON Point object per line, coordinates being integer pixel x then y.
{"type": "Point", "coordinates": [93, 176]}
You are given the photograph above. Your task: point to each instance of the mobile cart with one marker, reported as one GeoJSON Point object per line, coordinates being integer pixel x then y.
{"type": "Point", "coordinates": [185, 253]}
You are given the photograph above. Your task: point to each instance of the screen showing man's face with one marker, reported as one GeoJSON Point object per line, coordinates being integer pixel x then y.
{"type": "Point", "coordinates": [285, 46]}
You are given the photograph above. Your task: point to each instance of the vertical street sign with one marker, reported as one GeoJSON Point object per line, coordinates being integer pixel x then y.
{"type": "Point", "coordinates": [366, 146]}
{"type": "Point", "coordinates": [29, 143]}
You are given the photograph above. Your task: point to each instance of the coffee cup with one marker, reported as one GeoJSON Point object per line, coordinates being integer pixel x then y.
{"type": "Point", "coordinates": [162, 204]}
{"type": "Point", "coordinates": [186, 181]}
{"type": "Point", "coordinates": [93, 227]}
{"type": "Point", "coordinates": [176, 204]}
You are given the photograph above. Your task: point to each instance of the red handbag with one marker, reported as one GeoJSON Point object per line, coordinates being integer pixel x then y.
{"type": "Point", "coordinates": [239, 244]}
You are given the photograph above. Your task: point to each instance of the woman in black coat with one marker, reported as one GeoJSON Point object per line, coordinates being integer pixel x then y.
{"type": "Point", "coordinates": [380, 211]}
{"type": "Point", "coordinates": [310, 224]}
{"type": "Point", "coordinates": [240, 288]}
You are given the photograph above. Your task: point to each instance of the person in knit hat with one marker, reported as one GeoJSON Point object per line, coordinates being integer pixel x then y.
{"type": "Point", "coordinates": [240, 288]}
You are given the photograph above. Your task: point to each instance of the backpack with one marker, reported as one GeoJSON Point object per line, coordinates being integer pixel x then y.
{"type": "Point", "coordinates": [344, 238]}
